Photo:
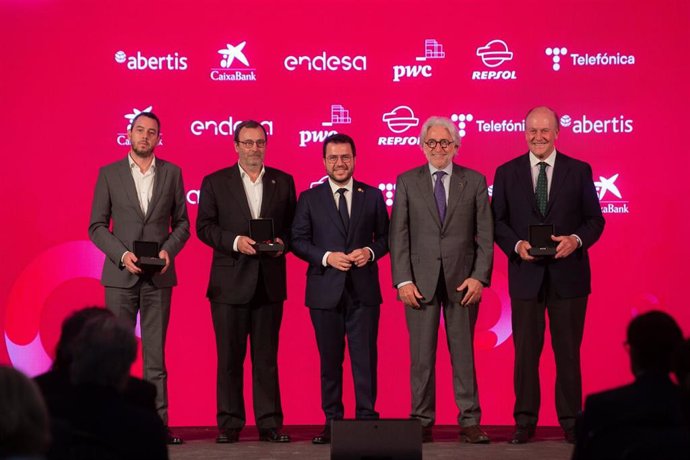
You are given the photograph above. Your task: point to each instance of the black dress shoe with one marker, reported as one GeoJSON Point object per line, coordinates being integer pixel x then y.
{"type": "Point", "coordinates": [324, 437]}
{"type": "Point", "coordinates": [522, 434]}
{"type": "Point", "coordinates": [171, 439]}
{"type": "Point", "coordinates": [569, 435]}
{"type": "Point", "coordinates": [228, 436]}
{"type": "Point", "coordinates": [427, 435]}
{"type": "Point", "coordinates": [273, 435]}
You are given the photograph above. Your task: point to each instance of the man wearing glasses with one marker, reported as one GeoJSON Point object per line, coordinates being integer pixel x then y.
{"type": "Point", "coordinates": [341, 230]}
{"type": "Point", "coordinates": [247, 287]}
{"type": "Point", "coordinates": [441, 241]}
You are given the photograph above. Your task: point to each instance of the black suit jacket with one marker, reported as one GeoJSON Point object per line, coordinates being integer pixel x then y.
{"type": "Point", "coordinates": [318, 228]}
{"type": "Point", "coordinates": [573, 208]}
{"type": "Point", "coordinates": [224, 214]}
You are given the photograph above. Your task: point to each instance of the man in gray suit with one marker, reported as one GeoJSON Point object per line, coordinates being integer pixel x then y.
{"type": "Point", "coordinates": [441, 242]}
{"type": "Point", "coordinates": [143, 197]}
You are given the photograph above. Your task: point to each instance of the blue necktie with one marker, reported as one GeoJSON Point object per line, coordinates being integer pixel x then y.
{"type": "Point", "coordinates": [342, 207]}
{"type": "Point", "coordinates": [541, 192]}
{"type": "Point", "coordinates": [440, 195]}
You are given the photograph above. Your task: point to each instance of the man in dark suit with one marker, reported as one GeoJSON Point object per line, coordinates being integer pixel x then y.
{"type": "Point", "coordinates": [544, 186]}
{"type": "Point", "coordinates": [341, 229]}
{"type": "Point", "coordinates": [441, 242]}
{"type": "Point", "coordinates": [644, 419]}
{"type": "Point", "coordinates": [143, 198]}
{"type": "Point", "coordinates": [246, 287]}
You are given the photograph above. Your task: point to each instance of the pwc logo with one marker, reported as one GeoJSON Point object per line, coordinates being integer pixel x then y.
{"type": "Point", "coordinates": [339, 116]}
{"type": "Point", "coordinates": [234, 65]}
{"type": "Point", "coordinates": [122, 136]}
{"type": "Point", "coordinates": [399, 121]}
{"type": "Point", "coordinates": [433, 50]}
{"type": "Point", "coordinates": [138, 61]}
{"type": "Point", "coordinates": [493, 55]}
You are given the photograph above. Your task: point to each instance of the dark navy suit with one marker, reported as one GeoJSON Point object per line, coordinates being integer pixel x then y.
{"type": "Point", "coordinates": [343, 303]}
{"type": "Point", "coordinates": [560, 286]}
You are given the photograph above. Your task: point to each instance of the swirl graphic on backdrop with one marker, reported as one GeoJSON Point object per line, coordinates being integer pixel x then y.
{"type": "Point", "coordinates": [502, 328]}
{"type": "Point", "coordinates": [50, 269]}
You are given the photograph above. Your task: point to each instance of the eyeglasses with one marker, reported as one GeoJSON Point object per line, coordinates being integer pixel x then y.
{"type": "Point", "coordinates": [333, 159]}
{"type": "Point", "coordinates": [444, 143]}
{"type": "Point", "coordinates": [261, 143]}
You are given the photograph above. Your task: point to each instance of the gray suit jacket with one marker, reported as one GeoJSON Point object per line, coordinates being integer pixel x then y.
{"type": "Point", "coordinates": [166, 221]}
{"type": "Point", "coordinates": [420, 245]}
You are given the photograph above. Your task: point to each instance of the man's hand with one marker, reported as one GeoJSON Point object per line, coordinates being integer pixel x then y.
{"type": "Point", "coordinates": [339, 261]}
{"type": "Point", "coordinates": [164, 255]}
{"type": "Point", "coordinates": [244, 245]}
{"type": "Point", "coordinates": [410, 295]}
{"type": "Point", "coordinates": [566, 245]}
{"type": "Point", "coordinates": [474, 291]}
{"type": "Point", "coordinates": [278, 253]}
{"type": "Point", "coordinates": [128, 261]}
{"type": "Point", "coordinates": [360, 256]}
{"type": "Point", "coordinates": [522, 248]}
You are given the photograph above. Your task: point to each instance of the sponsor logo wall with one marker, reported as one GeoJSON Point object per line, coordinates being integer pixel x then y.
{"type": "Point", "coordinates": [67, 102]}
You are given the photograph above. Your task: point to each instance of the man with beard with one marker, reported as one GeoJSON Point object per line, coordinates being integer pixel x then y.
{"type": "Point", "coordinates": [141, 198]}
{"type": "Point", "coordinates": [341, 230]}
{"type": "Point", "coordinates": [545, 186]}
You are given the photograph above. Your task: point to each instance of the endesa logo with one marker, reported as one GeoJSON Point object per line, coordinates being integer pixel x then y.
{"type": "Point", "coordinates": [559, 55]}
{"type": "Point", "coordinates": [122, 137]}
{"type": "Point", "coordinates": [325, 63]}
{"type": "Point", "coordinates": [432, 50]}
{"type": "Point", "coordinates": [138, 61]}
{"type": "Point", "coordinates": [339, 116]}
{"type": "Point", "coordinates": [399, 121]}
{"type": "Point", "coordinates": [587, 125]}
{"type": "Point", "coordinates": [614, 203]}
{"type": "Point", "coordinates": [222, 127]}
{"type": "Point", "coordinates": [234, 65]}
{"type": "Point", "coordinates": [493, 55]}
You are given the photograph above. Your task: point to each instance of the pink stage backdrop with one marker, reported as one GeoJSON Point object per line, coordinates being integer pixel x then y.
{"type": "Point", "coordinates": [72, 74]}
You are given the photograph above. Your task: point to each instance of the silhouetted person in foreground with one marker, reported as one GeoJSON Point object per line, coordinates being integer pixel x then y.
{"type": "Point", "coordinates": [24, 430]}
{"type": "Point", "coordinates": [645, 419]}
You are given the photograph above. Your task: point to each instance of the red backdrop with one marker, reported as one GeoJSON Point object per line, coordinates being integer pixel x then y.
{"type": "Point", "coordinates": [70, 73]}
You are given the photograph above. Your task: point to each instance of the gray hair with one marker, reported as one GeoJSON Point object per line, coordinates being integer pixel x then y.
{"type": "Point", "coordinates": [439, 121]}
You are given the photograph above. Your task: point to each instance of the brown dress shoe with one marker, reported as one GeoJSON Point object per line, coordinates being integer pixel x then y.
{"type": "Point", "coordinates": [522, 434]}
{"type": "Point", "coordinates": [474, 435]}
{"type": "Point", "coordinates": [228, 436]}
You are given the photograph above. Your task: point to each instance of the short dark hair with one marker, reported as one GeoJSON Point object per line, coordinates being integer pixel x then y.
{"type": "Point", "coordinates": [555, 115]}
{"type": "Point", "coordinates": [339, 138]}
{"type": "Point", "coordinates": [653, 338]}
{"type": "Point", "coordinates": [150, 115]}
{"type": "Point", "coordinates": [71, 327]}
{"type": "Point", "coordinates": [248, 124]}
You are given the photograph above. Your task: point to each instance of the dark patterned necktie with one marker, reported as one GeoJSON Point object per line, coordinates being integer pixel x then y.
{"type": "Point", "coordinates": [342, 207]}
{"type": "Point", "coordinates": [541, 192]}
{"type": "Point", "coordinates": [440, 195]}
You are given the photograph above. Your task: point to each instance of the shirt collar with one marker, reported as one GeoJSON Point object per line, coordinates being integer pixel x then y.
{"type": "Point", "coordinates": [534, 161]}
{"type": "Point", "coordinates": [448, 169]}
{"type": "Point", "coordinates": [132, 164]}
{"type": "Point", "coordinates": [244, 175]}
{"type": "Point", "coordinates": [335, 187]}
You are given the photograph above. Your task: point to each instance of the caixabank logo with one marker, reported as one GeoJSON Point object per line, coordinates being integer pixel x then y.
{"type": "Point", "coordinates": [433, 51]}
{"type": "Point", "coordinates": [562, 57]}
{"type": "Point", "coordinates": [159, 62]}
{"type": "Point", "coordinates": [587, 124]}
{"type": "Point", "coordinates": [610, 196]}
{"type": "Point", "coordinates": [234, 65]}
{"type": "Point", "coordinates": [339, 115]}
{"type": "Point", "coordinates": [122, 138]}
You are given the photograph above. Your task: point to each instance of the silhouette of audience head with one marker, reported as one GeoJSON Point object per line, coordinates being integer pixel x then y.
{"type": "Point", "coordinates": [653, 338]}
{"type": "Point", "coordinates": [24, 430]}
{"type": "Point", "coordinates": [71, 327]}
{"type": "Point", "coordinates": [682, 366]}
{"type": "Point", "coordinates": [103, 352]}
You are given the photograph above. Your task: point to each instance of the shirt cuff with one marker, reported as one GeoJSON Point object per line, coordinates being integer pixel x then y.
{"type": "Point", "coordinates": [324, 259]}
{"type": "Point", "coordinates": [371, 259]}
{"type": "Point", "coordinates": [122, 259]}
{"type": "Point", "coordinates": [516, 246]}
{"type": "Point", "coordinates": [234, 243]}
{"type": "Point", "coordinates": [579, 241]}
{"type": "Point", "coordinates": [404, 283]}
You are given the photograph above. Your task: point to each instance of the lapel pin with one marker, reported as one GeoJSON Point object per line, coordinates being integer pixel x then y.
{"type": "Point", "coordinates": [273, 181]}
{"type": "Point", "coordinates": [360, 190]}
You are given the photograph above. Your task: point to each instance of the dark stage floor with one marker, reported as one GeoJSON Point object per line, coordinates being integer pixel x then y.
{"type": "Point", "coordinates": [200, 444]}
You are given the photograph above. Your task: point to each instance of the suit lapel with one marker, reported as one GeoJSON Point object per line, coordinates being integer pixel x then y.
{"type": "Point", "coordinates": [357, 205]}
{"type": "Point", "coordinates": [130, 188]}
{"type": "Point", "coordinates": [425, 190]}
{"type": "Point", "coordinates": [561, 168]}
{"type": "Point", "coordinates": [524, 180]}
{"type": "Point", "coordinates": [158, 182]}
{"type": "Point", "coordinates": [236, 190]}
{"type": "Point", "coordinates": [328, 203]}
{"type": "Point", "coordinates": [458, 183]}
{"type": "Point", "coordinates": [269, 186]}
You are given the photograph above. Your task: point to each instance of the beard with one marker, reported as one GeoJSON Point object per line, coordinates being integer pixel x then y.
{"type": "Point", "coordinates": [143, 153]}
